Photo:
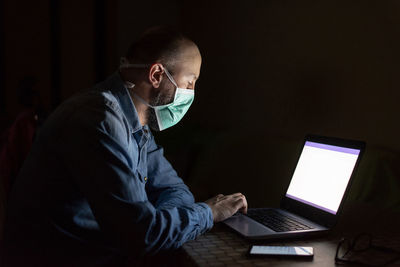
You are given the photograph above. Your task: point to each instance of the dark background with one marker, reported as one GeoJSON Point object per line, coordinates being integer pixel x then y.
{"type": "Point", "coordinates": [273, 70]}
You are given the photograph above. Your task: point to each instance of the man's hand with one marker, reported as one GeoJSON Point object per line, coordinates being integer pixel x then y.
{"type": "Point", "coordinates": [224, 207]}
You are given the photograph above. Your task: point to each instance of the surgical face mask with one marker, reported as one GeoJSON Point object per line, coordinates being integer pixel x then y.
{"type": "Point", "coordinates": [170, 114]}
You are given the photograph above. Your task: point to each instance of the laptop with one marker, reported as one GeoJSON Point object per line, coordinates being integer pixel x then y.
{"type": "Point", "coordinates": [315, 195]}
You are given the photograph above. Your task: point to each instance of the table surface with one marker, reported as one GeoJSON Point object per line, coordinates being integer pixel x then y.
{"type": "Point", "coordinates": [223, 247]}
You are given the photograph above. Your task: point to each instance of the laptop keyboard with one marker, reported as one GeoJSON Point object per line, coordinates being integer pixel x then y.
{"type": "Point", "coordinates": [276, 220]}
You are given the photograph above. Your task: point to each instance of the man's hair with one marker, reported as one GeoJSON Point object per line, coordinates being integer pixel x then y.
{"type": "Point", "coordinates": [158, 44]}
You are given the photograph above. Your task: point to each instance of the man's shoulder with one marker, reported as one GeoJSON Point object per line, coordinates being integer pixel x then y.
{"type": "Point", "coordinates": [96, 108]}
{"type": "Point", "coordinates": [92, 106]}
{"type": "Point", "coordinates": [89, 101]}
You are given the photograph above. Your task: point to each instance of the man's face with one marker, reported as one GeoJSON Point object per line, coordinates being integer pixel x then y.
{"type": "Point", "coordinates": [185, 73]}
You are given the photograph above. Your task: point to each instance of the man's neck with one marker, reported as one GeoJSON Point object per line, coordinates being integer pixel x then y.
{"type": "Point", "coordinates": [141, 108]}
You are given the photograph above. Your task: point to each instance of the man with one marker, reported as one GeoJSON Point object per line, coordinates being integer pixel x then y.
{"type": "Point", "coordinates": [96, 188]}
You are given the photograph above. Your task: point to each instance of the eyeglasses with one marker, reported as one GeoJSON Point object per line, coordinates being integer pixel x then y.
{"type": "Point", "coordinates": [362, 250]}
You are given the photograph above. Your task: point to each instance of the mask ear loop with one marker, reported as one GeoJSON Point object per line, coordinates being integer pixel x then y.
{"type": "Point", "coordinates": [129, 84]}
{"type": "Point", "coordinates": [170, 77]}
{"type": "Point", "coordinates": [124, 64]}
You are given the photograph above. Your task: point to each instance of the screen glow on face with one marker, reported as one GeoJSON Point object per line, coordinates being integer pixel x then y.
{"type": "Point", "coordinates": [322, 174]}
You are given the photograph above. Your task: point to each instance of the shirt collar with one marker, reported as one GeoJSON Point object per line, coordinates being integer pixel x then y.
{"type": "Point", "coordinates": [121, 93]}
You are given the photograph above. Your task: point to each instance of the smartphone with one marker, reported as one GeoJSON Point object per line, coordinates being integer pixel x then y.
{"type": "Point", "coordinates": [282, 251]}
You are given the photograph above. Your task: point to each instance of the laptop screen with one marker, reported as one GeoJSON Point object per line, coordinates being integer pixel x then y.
{"type": "Point", "coordinates": [322, 174]}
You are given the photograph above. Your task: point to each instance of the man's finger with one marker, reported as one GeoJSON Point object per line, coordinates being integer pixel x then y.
{"type": "Point", "coordinates": [237, 194]}
{"type": "Point", "coordinates": [241, 204]}
{"type": "Point", "coordinates": [244, 208]}
{"type": "Point", "coordinates": [219, 196]}
{"type": "Point", "coordinates": [238, 204]}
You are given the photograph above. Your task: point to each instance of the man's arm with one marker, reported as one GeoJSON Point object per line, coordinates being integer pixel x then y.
{"type": "Point", "coordinates": [165, 189]}
{"type": "Point", "coordinates": [95, 153]}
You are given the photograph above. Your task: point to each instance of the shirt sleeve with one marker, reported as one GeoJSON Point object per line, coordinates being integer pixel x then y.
{"type": "Point", "coordinates": [165, 189]}
{"type": "Point", "coordinates": [93, 147]}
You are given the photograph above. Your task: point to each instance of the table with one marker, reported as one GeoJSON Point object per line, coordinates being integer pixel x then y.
{"type": "Point", "coordinates": [223, 247]}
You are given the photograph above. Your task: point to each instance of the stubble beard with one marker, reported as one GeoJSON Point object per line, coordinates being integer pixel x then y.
{"type": "Point", "coordinates": [159, 100]}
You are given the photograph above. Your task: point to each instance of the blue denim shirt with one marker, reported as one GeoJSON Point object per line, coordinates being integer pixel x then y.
{"type": "Point", "coordinates": [96, 176]}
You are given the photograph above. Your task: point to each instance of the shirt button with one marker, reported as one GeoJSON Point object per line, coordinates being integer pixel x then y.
{"type": "Point", "coordinates": [145, 179]}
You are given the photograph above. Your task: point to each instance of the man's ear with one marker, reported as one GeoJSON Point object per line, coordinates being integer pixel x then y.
{"type": "Point", "coordinates": [156, 74]}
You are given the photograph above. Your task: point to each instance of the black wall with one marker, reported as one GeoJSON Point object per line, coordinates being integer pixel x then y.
{"type": "Point", "coordinates": [272, 72]}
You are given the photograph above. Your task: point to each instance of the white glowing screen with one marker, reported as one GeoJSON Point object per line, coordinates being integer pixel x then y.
{"type": "Point", "coordinates": [322, 174]}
